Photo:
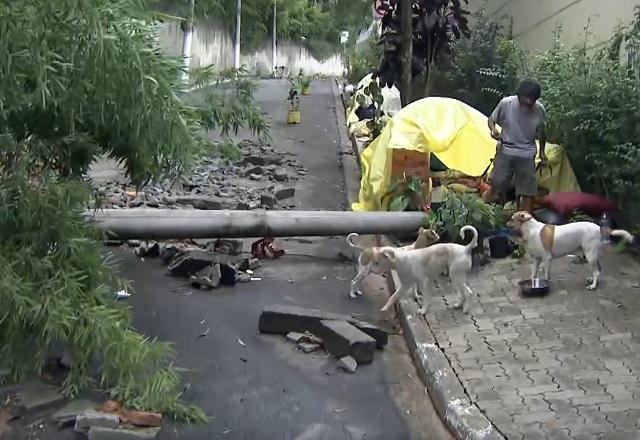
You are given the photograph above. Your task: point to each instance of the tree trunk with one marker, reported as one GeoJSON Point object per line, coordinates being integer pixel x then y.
{"type": "Point", "coordinates": [428, 82]}
{"type": "Point", "coordinates": [406, 54]}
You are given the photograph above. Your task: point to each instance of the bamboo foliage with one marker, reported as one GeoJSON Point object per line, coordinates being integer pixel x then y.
{"type": "Point", "coordinates": [79, 79]}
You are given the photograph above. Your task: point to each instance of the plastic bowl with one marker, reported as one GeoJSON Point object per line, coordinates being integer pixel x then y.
{"type": "Point", "coordinates": [534, 287]}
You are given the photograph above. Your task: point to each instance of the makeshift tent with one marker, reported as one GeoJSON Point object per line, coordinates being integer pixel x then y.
{"type": "Point", "coordinates": [390, 106]}
{"type": "Point", "coordinates": [457, 135]}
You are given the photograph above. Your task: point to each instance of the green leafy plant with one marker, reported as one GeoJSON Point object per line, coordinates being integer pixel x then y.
{"type": "Point", "coordinates": [372, 96]}
{"type": "Point", "coordinates": [81, 80]}
{"type": "Point", "coordinates": [313, 24]}
{"type": "Point", "coordinates": [293, 97]}
{"type": "Point", "coordinates": [56, 287]}
{"type": "Point", "coordinates": [591, 100]}
{"type": "Point", "coordinates": [437, 24]}
{"type": "Point", "coordinates": [305, 82]}
{"type": "Point", "coordinates": [225, 102]}
{"type": "Point", "coordinates": [407, 193]}
{"type": "Point", "coordinates": [486, 66]}
{"type": "Point", "coordinates": [363, 59]}
{"type": "Point", "coordinates": [457, 211]}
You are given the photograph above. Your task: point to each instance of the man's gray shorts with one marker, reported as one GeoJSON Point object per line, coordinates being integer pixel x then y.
{"type": "Point", "coordinates": [523, 171]}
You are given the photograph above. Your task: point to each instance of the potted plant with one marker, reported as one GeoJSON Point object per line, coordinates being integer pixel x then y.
{"type": "Point", "coordinates": [305, 85]}
{"type": "Point", "coordinates": [457, 211]}
{"type": "Point", "coordinates": [408, 193]}
{"type": "Point", "coordinates": [293, 115]}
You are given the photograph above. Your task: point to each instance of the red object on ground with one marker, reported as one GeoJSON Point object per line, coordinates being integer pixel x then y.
{"type": "Point", "coordinates": [265, 249]}
{"type": "Point", "coordinates": [565, 203]}
{"type": "Point", "coordinates": [141, 418]}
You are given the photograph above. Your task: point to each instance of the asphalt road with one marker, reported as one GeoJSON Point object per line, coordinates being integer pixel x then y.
{"type": "Point", "coordinates": [259, 386]}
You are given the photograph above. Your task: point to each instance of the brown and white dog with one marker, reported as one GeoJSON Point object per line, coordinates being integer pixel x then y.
{"type": "Point", "coordinates": [417, 267]}
{"type": "Point", "coordinates": [546, 242]}
{"type": "Point", "coordinates": [426, 237]}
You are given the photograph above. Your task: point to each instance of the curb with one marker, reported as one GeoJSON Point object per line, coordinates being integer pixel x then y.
{"type": "Point", "coordinates": [463, 418]}
{"type": "Point", "coordinates": [348, 156]}
{"type": "Point", "coordinates": [448, 395]}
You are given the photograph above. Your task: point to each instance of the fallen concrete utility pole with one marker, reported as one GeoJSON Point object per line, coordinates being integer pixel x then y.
{"type": "Point", "coordinates": [180, 224]}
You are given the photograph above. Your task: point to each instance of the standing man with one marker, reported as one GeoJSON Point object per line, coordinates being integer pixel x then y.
{"type": "Point", "coordinates": [522, 119]}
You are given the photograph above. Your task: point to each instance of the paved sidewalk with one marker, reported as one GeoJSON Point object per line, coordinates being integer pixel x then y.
{"type": "Point", "coordinates": [561, 367]}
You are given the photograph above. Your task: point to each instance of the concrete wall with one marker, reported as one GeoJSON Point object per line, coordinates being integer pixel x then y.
{"type": "Point", "coordinates": [213, 45]}
{"type": "Point", "coordinates": [534, 21]}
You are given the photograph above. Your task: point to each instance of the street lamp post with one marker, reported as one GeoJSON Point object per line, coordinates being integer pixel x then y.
{"type": "Point", "coordinates": [275, 36]}
{"type": "Point", "coordinates": [187, 42]}
{"type": "Point", "coordinates": [236, 57]}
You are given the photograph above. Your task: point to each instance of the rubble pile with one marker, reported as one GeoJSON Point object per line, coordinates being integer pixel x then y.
{"type": "Point", "coordinates": [262, 179]}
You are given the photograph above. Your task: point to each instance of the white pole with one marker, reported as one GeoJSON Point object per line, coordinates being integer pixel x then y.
{"type": "Point", "coordinates": [236, 58]}
{"type": "Point", "coordinates": [187, 42]}
{"type": "Point", "coordinates": [275, 35]}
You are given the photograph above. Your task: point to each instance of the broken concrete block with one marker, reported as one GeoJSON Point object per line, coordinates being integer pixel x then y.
{"type": "Point", "coordinates": [343, 339]}
{"type": "Point", "coordinates": [101, 433]}
{"type": "Point", "coordinates": [348, 364]}
{"type": "Point", "coordinates": [141, 418]}
{"type": "Point", "coordinates": [207, 278]}
{"type": "Point", "coordinates": [281, 175]}
{"type": "Point", "coordinates": [295, 336]}
{"type": "Point", "coordinates": [285, 193]}
{"type": "Point", "coordinates": [234, 246]}
{"type": "Point", "coordinates": [251, 170]}
{"type": "Point", "coordinates": [37, 396]}
{"type": "Point", "coordinates": [284, 319]}
{"type": "Point", "coordinates": [67, 416]}
{"type": "Point", "coordinates": [189, 263]}
{"type": "Point", "coordinates": [208, 203]}
{"type": "Point", "coordinates": [268, 200]}
{"type": "Point", "coordinates": [254, 160]}
{"type": "Point", "coordinates": [92, 418]}
{"type": "Point", "coordinates": [168, 252]}
{"type": "Point", "coordinates": [308, 348]}
{"type": "Point", "coordinates": [381, 336]}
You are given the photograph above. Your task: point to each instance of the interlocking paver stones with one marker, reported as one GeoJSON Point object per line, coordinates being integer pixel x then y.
{"type": "Point", "coordinates": [567, 362]}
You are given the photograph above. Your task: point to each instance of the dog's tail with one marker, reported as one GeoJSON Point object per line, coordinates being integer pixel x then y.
{"type": "Point", "coordinates": [626, 236]}
{"type": "Point", "coordinates": [474, 241]}
{"type": "Point", "coordinates": [350, 241]}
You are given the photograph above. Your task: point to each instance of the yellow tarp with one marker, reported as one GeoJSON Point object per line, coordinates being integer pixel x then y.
{"type": "Point", "coordinates": [457, 134]}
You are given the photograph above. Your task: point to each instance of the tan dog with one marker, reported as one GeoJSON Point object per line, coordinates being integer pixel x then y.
{"type": "Point", "coordinates": [416, 267]}
{"type": "Point", "coordinates": [426, 237]}
{"type": "Point", "coordinates": [546, 242]}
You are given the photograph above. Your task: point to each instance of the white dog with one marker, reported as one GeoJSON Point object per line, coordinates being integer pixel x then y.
{"type": "Point", "coordinates": [416, 267]}
{"type": "Point", "coordinates": [546, 242]}
{"type": "Point", "coordinates": [426, 237]}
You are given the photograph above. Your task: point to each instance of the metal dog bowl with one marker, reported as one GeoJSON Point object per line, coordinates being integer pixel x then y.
{"type": "Point", "coordinates": [534, 287]}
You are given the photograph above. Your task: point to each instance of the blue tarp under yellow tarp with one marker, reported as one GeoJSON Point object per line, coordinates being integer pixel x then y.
{"type": "Point", "coordinates": [457, 134]}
